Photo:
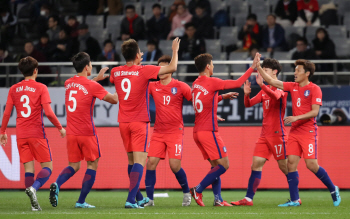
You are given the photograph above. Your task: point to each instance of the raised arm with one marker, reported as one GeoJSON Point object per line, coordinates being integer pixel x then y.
{"type": "Point", "coordinates": [247, 101]}
{"type": "Point", "coordinates": [111, 98]}
{"type": "Point", "coordinates": [276, 95]}
{"type": "Point", "coordinates": [173, 63]}
{"type": "Point", "coordinates": [53, 119]}
{"type": "Point", "coordinates": [269, 79]}
{"type": "Point", "coordinates": [311, 114]}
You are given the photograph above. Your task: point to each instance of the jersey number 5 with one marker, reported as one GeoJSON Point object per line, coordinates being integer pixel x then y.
{"type": "Point", "coordinates": [71, 98]}
{"type": "Point", "coordinates": [196, 102]}
{"type": "Point", "coordinates": [26, 105]}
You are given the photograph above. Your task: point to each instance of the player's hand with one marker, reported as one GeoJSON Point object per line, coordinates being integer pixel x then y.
{"type": "Point", "coordinates": [290, 119]}
{"type": "Point", "coordinates": [246, 88]}
{"type": "Point", "coordinates": [230, 95]}
{"type": "Point", "coordinates": [176, 44]}
{"type": "Point", "coordinates": [259, 80]}
{"type": "Point", "coordinates": [220, 119]}
{"type": "Point", "coordinates": [256, 60]}
{"type": "Point", "coordinates": [101, 75]}
{"type": "Point", "coordinates": [3, 139]}
{"type": "Point", "coordinates": [63, 132]}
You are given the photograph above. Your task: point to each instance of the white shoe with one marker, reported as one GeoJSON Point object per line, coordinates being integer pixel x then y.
{"type": "Point", "coordinates": [186, 201]}
{"type": "Point", "coordinates": [150, 203]}
{"type": "Point", "coordinates": [31, 192]}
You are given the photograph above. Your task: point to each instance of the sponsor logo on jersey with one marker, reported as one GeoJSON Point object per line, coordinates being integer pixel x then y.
{"type": "Point", "coordinates": [295, 90]}
{"type": "Point", "coordinates": [158, 89]}
{"type": "Point", "coordinates": [224, 149]}
{"type": "Point", "coordinates": [306, 93]}
{"type": "Point", "coordinates": [174, 90]}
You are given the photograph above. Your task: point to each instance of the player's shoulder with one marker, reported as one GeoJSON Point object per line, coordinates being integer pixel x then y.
{"type": "Point", "coordinates": [180, 83]}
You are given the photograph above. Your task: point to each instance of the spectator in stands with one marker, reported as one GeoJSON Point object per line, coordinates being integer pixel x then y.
{"type": "Point", "coordinates": [46, 47]}
{"type": "Point", "coordinates": [193, 4]}
{"type": "Point", "coordinates": [132, 26]}
{"type": "Point", "coordinates": [115, 7]}
{"type": "Point", "coordinates": [87, 43]}
{"type": "Point", "coordinates": [54, 29]}
{"type": "Point", "coordinates": [287, 12]}
{"type": "Point", "coordinates": [173, 9]}
{"type": "Point", "coordinates": [109, 53]}
{"type": "Point", "coordinates": [153, 53]}
{"type": "Point", "coordinates": [250, 33]}
{"type": "Point", "coordinates": [303, 51]}
{"type": "Point", "coordinates": [8, 24]}
{"type": "Point", "coordinates": [307, 13]}
{"type": "Point", "coordinates": [5, 56]}
{"type": "Point", "coordinates": [72, 27]}
{"type": "Point", "coordinates": [191, 46]}
{"type": "Point", "coordinates": [273, 35]}
{"type": "Point", "coordinates": [29, 50]}
{"type": "Point", "coordinates": [203, 22]}
{"type": "Point", "coordinates": [87, 7]}
{"type": "Point", "coordinates": [42, 20]}
{"type": "Point", "coordinates": [180, 19]}
{"type": "Point", "coordinates": [158, 26]}
{"type": "Point", "coordinates": [324, 48]}
{"type": "Point", "coordinates": [64, 48]}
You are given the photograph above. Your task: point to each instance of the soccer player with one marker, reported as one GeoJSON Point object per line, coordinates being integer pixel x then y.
{"type": "Point", "coordinates": [273, 134]}
{"type": "Point", "coordinates": [205, 133]}
{"type": "Point", "coordinates": [303, 136]}
{"type": "Point", "coordinates": [132, 85]}
{"type": "Point", "coordinates": [30, 99]}
{"type": "Point", "coordinates": [82, 140]}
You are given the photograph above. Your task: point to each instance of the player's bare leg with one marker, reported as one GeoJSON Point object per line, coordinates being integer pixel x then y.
{"type": "Point", "coordinates": [175, 166]}
{"type": "Point", "coordinates": [321, 173]}
{"type": "Point", "coordinates": [283, 165]}
{"type": "Point", "coordinates": [64, 176]}
{"type": "Point", "coordinates": [150, 179]}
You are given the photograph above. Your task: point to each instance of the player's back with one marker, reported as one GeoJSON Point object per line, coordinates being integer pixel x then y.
{"type": "Point", "coordinates": [28, 97]}
{"type": "Point", "coordinates": [131, 84]}
{"type": "Point", "coordinates": [169, 100]}
{"type": "Point", "coordinates": [205, 102]}
{"type": "Point", "coordinates": [80, 99]}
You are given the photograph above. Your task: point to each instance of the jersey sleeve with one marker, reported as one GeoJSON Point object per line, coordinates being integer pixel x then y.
{"type": "Point", "coordinates": [187, 92]}
{"type": "Point", "coordinates": [111, 79]}
{"type": "Point", "coordinates": [45, 96]}
{"type": "Point", "coordinates": [251, 102]}
{"type": "Point", "coordinates": [277, 94]}
{"type": "Point", "coordinates": [7, 113]}
{"type": "Point", "coordinates": [98, 91]}
{"type": "Point", "coordinates": [151, 71]}
{"type": "Point", "coordinates": [150, 88]}
{"type": "Point", "coordinates": [218, 83]}
{"type": "Point", "coordinates": [288, 86]}
{"type": "Point", "coordinates": [317, 96]}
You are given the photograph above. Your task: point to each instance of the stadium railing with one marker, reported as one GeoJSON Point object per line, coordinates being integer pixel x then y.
{"type": "Point", "coordinates": [59, 74]}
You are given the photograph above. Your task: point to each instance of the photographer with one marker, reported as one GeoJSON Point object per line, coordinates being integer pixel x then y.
{"type": "Point", "coordinates": [250, 33]}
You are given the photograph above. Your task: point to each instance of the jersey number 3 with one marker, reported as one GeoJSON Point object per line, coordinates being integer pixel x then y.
{"type": "Point", "coordinates": [25, 99]}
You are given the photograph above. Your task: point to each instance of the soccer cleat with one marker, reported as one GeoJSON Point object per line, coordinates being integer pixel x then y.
{"type": "Point", "coordinates": [226, 203]}
{"type": "Point", "coordinates": [197, 196]}
{"type": "Point", "coordinates": [243, 202]}
{"type": "Point", "coordinates": [31, 192]}
{"type": "Point", "coordinates": [290, 203]}
{"type": "Point", "coordinates": [150, 203]}
{"type": "Point", "coordinates": [186, 201]}
{"type": "Point", "coordinates": [129, 205]}
{"type": "Point", "coordinates": [336, 195]}
{"type": "Point", "coordinates": [84, 205]}
{"type": "Point", "coordinates": [143, 202]}
{"type": "Point", "coordinates": [54, 190]}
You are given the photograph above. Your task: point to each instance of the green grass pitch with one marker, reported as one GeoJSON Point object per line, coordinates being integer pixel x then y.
{"type": "Point", "coordinates": [110, 204]}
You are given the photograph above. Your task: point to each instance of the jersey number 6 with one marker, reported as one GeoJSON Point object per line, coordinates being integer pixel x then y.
{"type": "Point", "coordinates": [196, 102]}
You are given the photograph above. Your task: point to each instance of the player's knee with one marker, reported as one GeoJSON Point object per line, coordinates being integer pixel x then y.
{"type": "Point", "coordinates": [175, 168]}
{"type": "Point", "coordinates": [312, 166]}
{"type": "Point", "coordinates": [257, 166]}
{"type": "Point", "coordinates": [283, 167]}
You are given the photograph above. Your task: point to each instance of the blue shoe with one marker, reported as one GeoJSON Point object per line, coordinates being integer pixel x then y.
{"type": "Point", "coordinates": [289, 203]}
{"type": "Point", "coordinates": [129, 205]}
{"type": "Point", "coordinates": [54, 190]}
{"type": "Point", "coordinates": [336, 196]}
{"type": "Point", "coordinates": [84, 205]}
{"type": "Point", "coordinates": [143, 202]}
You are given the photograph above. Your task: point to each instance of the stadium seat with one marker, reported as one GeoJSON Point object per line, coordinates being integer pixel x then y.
{"type": "Point", "coordinates": [259, 6]}
{"type": "Point", "coordinates": [100, 35]}
{"type": "Point", "coordinates": [342, 47]}
{"type": "Point", "coordinates": [147, 10]}
{"type": "Point", "coordinates": [216, 6]}
{"type": "Point", "coordinates": [310, 33]}
{"type": "Point", "coordinates": [95, 21]}
{"type": "Point", "coordinates": [262, 17]}
{"type": "Point", "coordinates": [228, 35]}
{"type": "Point", "coordinates": [113, 25]}
{"type": "Point", "coordinates": [283, 56]}
{"type": "Point", "coordinates": [237, 6]}
{"type": "Point", "coordinates": [142, 45]}
{"type": "Point", "coordinates": [213, 47]}
{"type": "Point", "coordinates": [336, 31]}
{"type": "Point", "coordinates": [289, 30]}
{"type": "Point", "coordinates": [240, 19]}
{"type": "Point", "coordinates": [165, 46]}
{"type": "Point", "coordinates": [343, 6]}
{"type": "Point", "coordinates": [234, 56]}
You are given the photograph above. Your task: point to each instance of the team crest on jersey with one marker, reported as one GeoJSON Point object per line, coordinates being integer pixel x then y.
{"type": "Point", "coordinates": [306, 93]}
{"type": "Point", "coordinates": [224, 149]}
{"type": "Point", "coordinates": [174, 90]}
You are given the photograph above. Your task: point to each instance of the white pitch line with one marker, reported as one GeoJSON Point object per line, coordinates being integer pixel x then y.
{"type": "Point", "coordinates": [174, 213]}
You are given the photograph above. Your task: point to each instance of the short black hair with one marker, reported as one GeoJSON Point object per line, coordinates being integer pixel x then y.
{"type": "Point", "coordinates": [252, 16]}
{"type": "Point", "coordinates": [130, 48]}
{"type": "Point", "coordinates": [72, 17]}
{"type": "Point", "coordinates": [27, 66]}
{"type": "Point", "coordinates": [130, 7]}
{"type": "Point", "coordinates": [202, 60]}
{"type": "Point", "coordinates": [108, 41]}
{"type": "Point", "coordinates": [45, 35]}
{"type": "Point", "coordinates": [55, 18]}
{"type": "Point", "coordinates": [308, 66]}
{"type": "Point", "coordinates": [29, 41]}
{"type": "Point", "coordinates": [164, 58]}
{"type": "Point", "coordinates": [274, 16]}
{"type": "Point", "coordinates": [80, 60]}
{"type": "Point", "coordinates": [200, 5]}
{"type": "Point", "coordinates": [253, 46]}
{"type": "Point", "coordinates": [189, 24]}
{"type": "Point", "coordinates": [273, 64]}
{"type": "Point", "coordinates": [156, 5]}
{"type": "Point", "coordinates": [303, 39]}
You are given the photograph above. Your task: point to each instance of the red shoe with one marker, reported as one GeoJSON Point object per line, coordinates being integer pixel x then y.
{"type": "Point", "coordinates": [219, 203]}
{"type": "Point", "coordinates": [243, 202]}
{"type": "Point", "coordinates": [227, 204]}
{"type": "Point", "coordinates": [299, 201]}
{"type": "Point", "coordinates": [197, 196]}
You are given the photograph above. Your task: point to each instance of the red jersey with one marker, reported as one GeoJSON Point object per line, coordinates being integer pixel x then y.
{"type": "Point", "coordinates": [131, 84]}
{"type": "Point", "coordinates": [311, 6]}
{"type": "Point", "coordinates": [302, 100]}
{"type": "Point", "coordinates": [205, 102]}
{"type": "Point", "coordinates": [274, 103]}
{"type": "Point", "coordinates": [80, 99]}
{"type": "Point", "coordinates": [28, 96]}
{"type": "Point", "coordinates": [169, 100]}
